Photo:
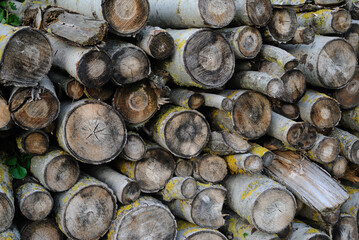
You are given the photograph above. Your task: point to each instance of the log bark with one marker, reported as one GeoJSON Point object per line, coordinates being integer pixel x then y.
{"type": "Point", "coordinates": [33, 142]}
{"type": "Point", "coordinates": [287, 232]}
{"type": "Point", "coordinates": [152, 172]}
{"type": "Point", "coordinates": [77, 210]}
{"type": "Point", "coordinates": [102, 135]}
{"type": "Point", "coordinates": [239, 229]}
{"type": "Point", "coordinates": [262, 202]}
{"type": "Point", "coordinates": [275, 54]}
{"type": "Point", "coordinates": [323, 221]}
{"type": "Point", "coordinates": [205, 209]}
{"type": "Point", "coordinates": [184, 168]}
{"type": "Point", "coordinates": [326, 21]}
{"type": "Point", "coordinates": [328, 62]}
{"type": "Point", "coordinates": [188, 14]}
{"type": "Point", "coordinates": [125, 18]}
{"type": "Point", "coordinates": [348, 96]}
{"type": "Point", "coordinates": [72, 88]}
{"type": "Point", "coordinates": [288, 110]}
{"type": "Point", "coordinates": [91, 67]}
{"type": "Point", "coordinates": [181, 188]}
{"type": "Point", "coordinates": [34, 108]}
{"type": "Point", "coordinates": [284, 3]}
{"type": "Point", "coordinates": [217, 101]}
{"type": "Point", "coordinates": [258, 81]}
{"type": "Point", "coordinates": [34, 201]}
{"type": "Point", "coordinates": [298, 135]}
{"type": "Point", "coordinates": [125, 189]}
{"type": "Point", "coordinates": [186, 98]}
{"type": "Point", "coordinates": [11, 233]}
{"type": "Point", "coordinates": [308, 182]}
{"type": "Point", "coordinates": [181, 131]}
{"type": "Point", "coordinates": [57, 170]}
{"type": "Point", "coordinates": [209, 168]}
{"type": "Point", "coordinates": [346, 228]}
{"type": "Point", "coordinates": [303, 35]}
{"type": "Point", "coordinates": [351, 205]}
{"type": "Point", "coordinates": [5, 117]}
{"type": "Point", "coordinates": [130, 63]}
{"type": "Point", "coordinates": [302, 231]}
{"type": "Point", "coordinates": [26, 56]}
{"type": "Point", "coordinates": [188, 231]}
{"type": "Point", "coordinates": [145, 218]}
{"type": "Point", "coordinates": [293, 80]}
{"type": "Point", "coordinates": [352, 35]}
{"type": "Point", "coordinates": [264, 153]}
{"type": "Point", "coordinates": [246, 42]}
{"type": "Point", "coordinates": [325, 149]}
{"type": "Point", "coordinates": [103, 93]}
{"type": "Point", "coordinates": [349, 144]}
{"type": "Point", "coordinates": [252, 13]}
{"type": "Point", "coordinates": [156, 42]}
{"type": "Point", "coordinates": [224, 143]}
{"type": "Point", "coordinates": [353, 8]}
{"type": "Point", "coordinates": [7, 210]}
{"type": "Point", "coordinates": [327, 2]}
{"type": "Point", "coordinates": [282, 26]}
{"type": "Point", "coordinates": [250, 117]}
{"type": "Point", "coordinates": [350, 119]}
{"type": "Point", "coordinates": [337, 168]}
{"type": "Point", "coordinates": [202, 58]}
{"type": "Point", "coordinates": [136, 103]}
{"type": "Point", "coordinates": [135, 147]}
{"type": "Point", "coordinates": [44, 229]}
{"type": "Point", "coordinates": [244, 163]}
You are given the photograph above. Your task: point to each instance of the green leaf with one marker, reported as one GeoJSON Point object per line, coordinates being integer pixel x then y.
{"type": "Point", "coordinates": [245, 234]}
{"type": "Point", "coordinates": [14, 20]}
{"type": "Point", "coordinates": [11, 161]}
{"type": "Point", "coordinates": [18, 172]}
{"type": "Point", "coordinates": [12, 6]}
{"type": "Point", "coordinates": [1, 14]}
{"type": "Point", "coordinates": [3, 4]}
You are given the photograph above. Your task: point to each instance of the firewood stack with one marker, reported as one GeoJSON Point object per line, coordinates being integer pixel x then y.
{"type": "Point", "coordinates": [197, 119]}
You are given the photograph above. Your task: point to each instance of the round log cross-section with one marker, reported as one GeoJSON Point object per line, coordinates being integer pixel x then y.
{"type": "Point", "coordinates": [91, 131]}
{"type": "Point", "coordinates": [283, 24]}
{"type": "Point", "coordinates": [252, 12]}
{"type": "Point", "coordinates": [44, 229]}
{"type": "Point", "coordinates": [181, 131]}
{"type": "Point", "coordinates": [86, 210]}
{"type": "Point", "coordinates": [33, 142]}
{"type": "Point", "coordinates": [190, 231]}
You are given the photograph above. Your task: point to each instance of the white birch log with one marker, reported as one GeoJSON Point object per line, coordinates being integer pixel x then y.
{"type": "Point", "coordinates": [348, 96]}
{"type": "Point", "coordinates": [346, 228]}
{"type": "Point", "coordinates": [72, 88]}
{"type": "Point", "coordinates": [187, 231]}
{"type": "Point", "coordinates": [226, 143]}
{"type": "Point", "coordinates": [349, 144]}
{"type": "Point", "coordinates": [274, 54]}
{"type": "Point", "coordinates": [338, 167]}
{"type": "Point", "coordinates": [350, 119]}
{"type": "Point", "coordinates": [352, 35]}
{"type": "Point", "coordinates": [325, 149]}
{"type": "Point", "coordinates": [181, 188]}
{"type": "Point", "coordinates": [302, 231]}
{"type": "Point", "coordinates": [186, 98]}
{"type": "Point", "coordinates": [217, 101]}
{"type": "Point", "coordinates": [252, 12]}
{"type": "Point", "coordinates": [264, 153]}
{"type": "Point", "coordinates": [7, 211]}
{"type": "Point", "coordinates": [135, 147]}
{"type": "Point", "coordinates": [244, 163]}
{"type": "Point", "coordinates": [44, 229]}
{"type": "Point", "coordinates": [303, 35]}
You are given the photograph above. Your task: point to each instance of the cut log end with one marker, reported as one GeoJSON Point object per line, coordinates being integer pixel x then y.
{"type": "Point", "coordinates": [273, 202]}
{"type": "Point", "coordinates": [103, 93]}
{"type": "Point", "coordinates": [195, 101]}
{"type": "Point", "coordinates": [259, 12]}
{"type": "Point", "coordinates": [283, 24]}
{"type": "Point", "coordinates": [26, 58]}
{"type": "Point", "coordinates": [61, 173]}
{"type": "Point", "coordinates": [291, 64]}
{"type": "Point", "coordinates": [338, 56]}
{"type": "Point", "coordinates": [339, 167]}
{"type": "Point", "coordinates": [249, 41]}
{"type": "Point", "coordinates": [189, 188]}
{"type": "Point", "coordinates": [227, 104]}
{"type": "Point", "coordinates": [135, 148]}
{"type": "Point", "coordinates": [45, 229]}
{"type": "Point", "coordinates": [325, 113]}
{"type": "Point", "coordinates": [37, 205]}
{"type": "Point", "coordinates": [348, 97]}
{"type": "Point", "coordinates": [184, 168]}
{"type": "Point", "coordinates": [210, 168]}
{"type": "Point", "coordinates": [341, 21]}
{"type": "Point", "coordinates": [294, 85]}
{"type": "Point", "coordinates": [307, 36]}
{"type": "Point", "coordinates": [75, 90]}
{"type": "Point", "coordinates": [162, 45]}
{"type": "Point", "coordinates": [186, 134]}
{"type": "Point", "coordinates": [126, 18]}
{"type": "Point", "coordinates": [95, 69]}
{"type": "Point", "coordinates": [275, 88]}
{"type": "Point", "coordinates": [131, 192]}
{"type": "Point", "coordinates": [216, 14]}
{"type": "Point", "coordinates": [328, 150]}
{"type": "Point", "coordinates": [35, 143]}
{"type": "Point", "coordinates": [205, 234]}
{"type": "Point", "coordinates": [6, 212]}
{"type": "Point", "coordinates": [252, 115]}
{"type": "Point", "coordinates": [301, 136]}
{"type": "Point", "coordinates": [254, 164]}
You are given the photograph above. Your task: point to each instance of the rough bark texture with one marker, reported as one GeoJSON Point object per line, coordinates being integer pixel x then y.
{"type": "Point", "coordinates": [224, 143]}
{"type": "Point", "coordinates": [244, 163]}
{"type": "Point", "coordinates": [181, 188]}
{"type": "Point", "coordinates": [189, 231]}
{"type": "Point", "coordinates": [7, 210]}
{"type": "Point", "coordinates": [349, 144]}
{"type": "Point", "coordinates": [302, 231]}
{"type": "Point", "coordinates": [274, 54]}
{"type": "Point", "coordinates": [253, 13]}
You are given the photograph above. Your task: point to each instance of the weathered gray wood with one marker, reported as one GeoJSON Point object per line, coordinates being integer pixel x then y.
{"type": "Point", "coordinates": [209, 168]}
{"type": "Point", "coordinates": [44, 229]}
{"type": "Point", "coordinates": [77, 210]}
{"type": "Point", "coordinates": [5, 117]}
{"type": "Point", "coordinates": [244, 163]}
{"type": "Point", "coordinates": [275, 54]}
{"type": "Point", "coordinates": [33, 142]}
{"type": "Point", "coordinates": [252, 12]}
{"type": "Point", "coordinates": [102, 135]}
{"type": "Point", "coordinates": [7, 210]}
{"type": "Point", "coordinates": [348, 96]}
{"type": "Point", "coordinates": [352, 35]}
{"type": "Point", "coordinates": [351, 206]}
{"type": "Point", "coordinates": [188, 231]}
{"type": "Point", "coordinates": [226, 143]}
{"type": "Point", "coordinates": [217, 101]}
{"type": "Point", "coordinates": [282, 26]}
{"type": "Point", "coordinates": [72, 88]}
{"type": "Point", "coordinates": [184, 168]}
{"type": "Point", "coordinates": [350, 119]}
{"type": "Point", "coordinates": [11, 233]}
{"type": "Point", "coordinates": [186, 98]}
{"type": "Point", "coordinates": [135, 147]}
{"type": "Point", "coordinates": [346, 228]}
{"type": "Point", "coordinates": [264, 153]}
{"type": "Point", "coordinates": [302, 231]}
{"type": "Point", "coordinates": [181, 188]}
{"type": "Point", "coordinates": [303, 35]}
{"type": "Point", "coordinates": [349, 144]}
{"type": "Point", "coordinates": [338, 167]}
{"type": "Point", "coordinates": [325, 149]}
{"type": "Point", "coordinates": [287, 110]}
{"type": "Point", "coordinates": [323, 221]}
{"type": "Point", "coordinates": [263, 202]}
{"type": "Point", "coordinates": [145, 218]}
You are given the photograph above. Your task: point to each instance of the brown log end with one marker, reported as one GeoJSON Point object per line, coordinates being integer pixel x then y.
{"type": "Point", "coordinates": [186, 134]}
{"type": "Point", "coordinates": [328, 150]}
{"type": "Point", "coordinates": [35, 142]}
{"type": "Point", "coordinates": [216, 14]}
{"type": "Point", "coordinates": [195, 101]}
{"type": "Point", "coordinates": [339, 167]}
{"type": "Point", "coordinates": [210, 168]}
{"type": "Point", "coordinates": [209, 59]}
{"type": "Point", "coordinates": [61, 173]}
{"type": "Point", "coordinates": [249, 41]}
{"type": "Point", "coordinates": [135, 148]}
{"type": "Point", "coordinates": [94, 132]}
{"type": "Point", "coordinates": [302, 136]}
{"type": "Point", "coordinates": [294, 85]}
{"type": "Point", "coordinates": [103, 93]}
{"type": "Point", "coordinates": [131, 64]}
{"type": "Point", "coordinates": [75, 90]}
{"type": "Point", "coordinates": [283, 24]}
{"type": "Point", "coordinates": [126, 18]}
{"type": "Point", "coordinates": [184, 168]}
{"type": "Point", "coordinates": [207, 208]}
{"type": "Point", "coordinates": [27, 58]}
{"type": "Point", "coordinates": [7, 212]}
{"type": "Point", "coordinates": [308, 35]}
{"type": "Point", "coordinates": [252, 114]}
{"type": "Point", "coordinates": [291, 64]}
{"type": "Point", "coordinates": [325, 113]}
{"type": "Point", "coordinates": [162, 45]}
{"type": "Point", "coordinates": [136, 102]}
{"type": "Point", "coordinates": [5, 116]}
{"type": "Point", "coordinates": [95, 69]}
{"type": "Point", "coordinates": [131, 192]}
{"type": "Point", "coordinates": [189, 188]}
{"type": "Point", "coordinates": [44, 229]}
{"type": "Point", "coordinates": [348, 96]}
{"type": "Point", "coordinates": [259, 12]}
{"type": "Point", "coordinates": [154, 170]}
{"type": "Point", "coordinates": [341, 21]}
{"type": "Point", "coordinates": [254, 164]}
{"type": "Point", "coordinates": [340, 57]}
{"type": "Point", "coordinates": [37, 205]}
{"type": "Point", "coordinates": [34, 112]}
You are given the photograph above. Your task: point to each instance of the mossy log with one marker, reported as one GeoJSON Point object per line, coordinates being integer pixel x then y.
{"type": "Point", "coordinates": [11, 233]}
{"type": "Point", "coordinates": [33, 142]}
{"type": "Point", "coordinates": [189, 231]}
{"type": "Point", "coordinates": [263, 202]}
{"type": "Point", "coordinates": [265, 154]}
{"type": "Point", "coordinates": [302, 231]}
{"type": "Point", "coordinates": [209, 168]}
{"type": "Point", "coordinates": [349, 144]}
{"type": "Point", "coordinates": [226, 143]}
{"type": "Point", "coordinates": [181, 188]}
{"type": "Point", "coordinates": [244, 163]}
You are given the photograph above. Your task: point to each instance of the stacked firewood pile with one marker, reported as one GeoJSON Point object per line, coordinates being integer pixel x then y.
{"type": "Point", "coordinates": [180, 119]}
